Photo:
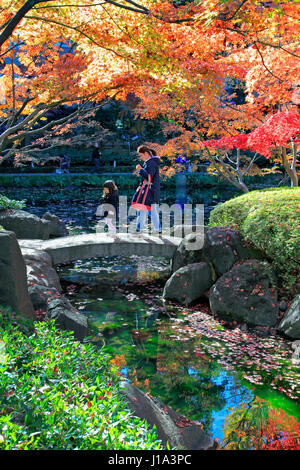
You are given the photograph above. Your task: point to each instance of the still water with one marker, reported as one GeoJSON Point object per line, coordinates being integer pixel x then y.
{"type": "Point", "coordinates": [184, 356]}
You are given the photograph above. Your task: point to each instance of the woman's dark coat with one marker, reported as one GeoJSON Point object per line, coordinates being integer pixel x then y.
{"type": "Point", "coordinates": [149, 191]}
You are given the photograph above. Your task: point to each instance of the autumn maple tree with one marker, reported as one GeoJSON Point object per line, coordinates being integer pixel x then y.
{"type": "Point", "coordinates": [177, 57]}
{"type": "Point", "coordinates": [276, 138]}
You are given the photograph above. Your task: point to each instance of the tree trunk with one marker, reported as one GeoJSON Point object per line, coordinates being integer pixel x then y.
{"type": "Point", "coordinates": [225, 173]}
{"type": "Point", "coordinates": [290, 171]}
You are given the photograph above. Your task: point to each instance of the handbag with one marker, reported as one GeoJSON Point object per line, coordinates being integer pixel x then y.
{"type": "Point", "coordinates": [139, 197]}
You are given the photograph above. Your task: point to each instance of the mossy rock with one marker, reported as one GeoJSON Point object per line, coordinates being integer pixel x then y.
{"type": "Point", "coordinates": [247, 293]}
{"type": "Point", "coordinates": [269, 220]}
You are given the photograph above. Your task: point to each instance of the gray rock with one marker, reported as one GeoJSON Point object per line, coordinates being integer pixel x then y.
{"type": "Point", "coordinates": [184, 230]}
{"type": "Point", "coordinates": [32, 254]}
{"type": "Point", "coordinates": [57, 226]}
{"type": "Point", "coordinates": [247, 293]}
{"type": "Point", "coordinates": [283, 306]}
{"type": "Point", "coordinates": [222, 248]}
{"type": "Point", "coordinates": [40, 295]}
{"type": "Point", "coordinates": [24, 224]}
{"type": "Point", "coordinates": [13, 281]}
{"type": "Point", "coordinates": [43, 274]}
{"type": "Point", "coordinates": [296, 353]}
{"type": "Point", "coordinates": [290, 323]}
{"type": "Point", "coordinates": [171, 427]}
{"type": "Point", "coordinates": [183, 255]}
{"type": "Point", "coordinates": [57, 307]}
{"type": "Point", "coordinates": [188, 283]}
{"type": "Point", "coordinates": [67, 317]}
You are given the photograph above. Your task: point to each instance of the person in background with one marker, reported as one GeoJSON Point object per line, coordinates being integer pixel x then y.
{"type": "Point", "coordinates": [96, 157]}
{"type": "Point", "coordinates": [110, 196]}
{"type": "Point", "coordinates": [65, 164]}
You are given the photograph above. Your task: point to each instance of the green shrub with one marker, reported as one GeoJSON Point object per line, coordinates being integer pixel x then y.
{"type": "Point", "coordinates": [56, 393]}
{"type": "Point", "coordinates": [65, 180]}
{"type": "Point", "coordinates": [6, 203]}
{"type": "Point", "coordinates": [270, 220]}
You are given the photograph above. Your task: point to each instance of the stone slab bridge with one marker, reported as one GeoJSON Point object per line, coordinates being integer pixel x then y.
{"type": "Point", "coordinates": [75, 247]}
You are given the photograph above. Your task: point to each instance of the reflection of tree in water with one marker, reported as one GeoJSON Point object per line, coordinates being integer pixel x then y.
{"type": "Point", "coordinates": [144, 354]}
{"type": "Point", "coordinates": [255, 426]}
{"type": "Point", "coordinates": [172, 372]}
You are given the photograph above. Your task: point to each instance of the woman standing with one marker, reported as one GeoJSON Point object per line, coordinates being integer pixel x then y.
{"type": "Point", "coordinates": [147, 196]}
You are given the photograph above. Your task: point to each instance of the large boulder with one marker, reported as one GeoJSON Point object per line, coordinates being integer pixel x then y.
{"type": "Point", "coordinates": [13, 280]}
{"type": "Point", "coordinates": [188, 283]}
{"type": "Point", "coordinates": [67, 317]}
{"type": "Point", "coordinates": [184, 254]}
{"type": "Point", "coordinates": [31, 255]}
{"type": "Point", "coordinates": [50, 304]}
{"type": "Point", "coordinates": [221, 247]}
{"type": "Point", "coordinates": [247, 293]}
{"type": "Point", "coordinates": [24, 224]}
{"type": "Point", "coordinates": [40, 296]}
{"type": "Point", "coordinates": [171, 427]}
{"type": "Point", "coordinates": [290, 323]}
{"type": "Point", "coordinates": [57, 226]}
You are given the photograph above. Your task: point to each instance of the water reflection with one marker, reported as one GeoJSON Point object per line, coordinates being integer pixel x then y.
{"type": "Point", "coordinates": [154, 346]}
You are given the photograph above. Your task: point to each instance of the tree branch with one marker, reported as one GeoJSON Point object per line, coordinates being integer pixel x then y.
{"type": "Point", "coordinates": [264, 64]}
{"type": "Point", "coordinates": [40, 111]}
{"type": "Point", "coordinates": [68, 6]}
{"type": "Point", "coordinates": [15, 20]}
{"type": "Point", "coordinates": [11, 48]}
{"type": "Point", "coordinates": [250, 164]}
{"type": "Point", "coordinates": [263, 43]}
{"type": "Point", "coordinates": [75, 28]}
{"type": "Point", "coordinates": [59, 122]}
{"type": "Point", "coordinates": [236, 11]}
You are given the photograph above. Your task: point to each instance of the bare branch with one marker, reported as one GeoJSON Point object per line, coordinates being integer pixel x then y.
{"type": "Point", "coordinates": [11, 48]}
{"type": "Point", "coordinates": [234, 13]}
{"type": "Point", "coordinates": [69, 6]}
{"type": "Point", "coordinates": [11, 25]}
{"type": "Point", "coordinates": [40, 111]}
{"type": "Point", "coordinates": [57, 124]}
{"type": "Point", "coordinates": [250, 164]}
{"type": "Point", "coordinates": [264, 64]}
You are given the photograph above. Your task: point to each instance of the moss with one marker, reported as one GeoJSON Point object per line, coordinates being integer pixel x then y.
{"type": "Point", "coordinates": [6, 203]}
{"type": "Point", "coordinates": [269, 220]}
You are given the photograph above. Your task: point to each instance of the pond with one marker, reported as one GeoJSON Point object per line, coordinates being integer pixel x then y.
{"type": "Point", "coordinates": [241, 388]}
{"type": "Point", "coordinates": [79, 210]}
{"type": "Point", "coordinates": [184, 356]}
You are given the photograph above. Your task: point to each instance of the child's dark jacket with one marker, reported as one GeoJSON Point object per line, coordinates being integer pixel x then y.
{"type": "Point", "coordinates": [113, 200]}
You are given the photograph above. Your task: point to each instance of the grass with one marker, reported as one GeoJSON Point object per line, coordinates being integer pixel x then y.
{"type": "Point", "coordinates": [270, 221]}
{"type": "Point", "coordinates": [56, 393]}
